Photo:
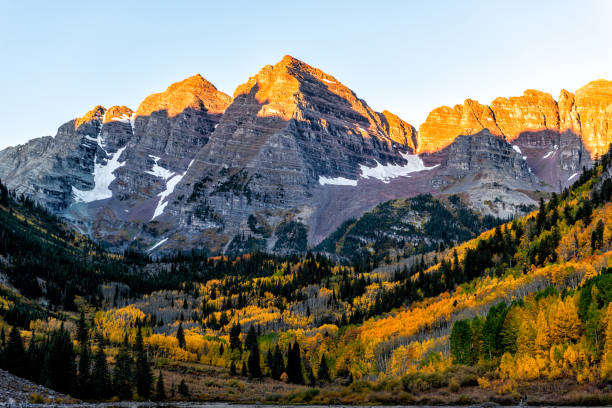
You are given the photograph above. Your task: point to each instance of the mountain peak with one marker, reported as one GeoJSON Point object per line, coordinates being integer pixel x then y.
{"type": "Point", "coordinates": [97, 113]}
{"type": "Point", "coordinates": [194, 92]}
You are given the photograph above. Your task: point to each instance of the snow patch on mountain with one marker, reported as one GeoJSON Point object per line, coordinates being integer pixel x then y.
{"type": "Point", "coordinates": [387, 172]}
{"type": "Point", "coordinates": [103, 175]}
{"type": "Point", "coordinates": [382, 172]}
{"type": "Point", "coordinates": [336, 181]}
{"type": "Point", "coordinates": [172, 179]}
{"type": "Point", "coordinates": [157, 245]}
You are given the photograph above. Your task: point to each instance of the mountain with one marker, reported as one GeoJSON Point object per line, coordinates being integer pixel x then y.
{"type": "Point", "coordinates": [293, 154]}
{"type": "Point", "coordinates": [522, 309]}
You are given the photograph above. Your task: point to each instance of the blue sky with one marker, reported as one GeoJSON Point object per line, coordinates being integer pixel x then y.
{"type": "Point", "coordinates": [59, 59]}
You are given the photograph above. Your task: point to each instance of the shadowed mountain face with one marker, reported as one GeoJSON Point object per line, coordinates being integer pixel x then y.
{"type": "Point", "coordinates": [294, 153]}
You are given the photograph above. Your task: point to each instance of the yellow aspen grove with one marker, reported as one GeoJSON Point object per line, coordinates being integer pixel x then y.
{"type": "Point", "coordinates": [565, 324]}
{"type": "Point", "coordinates": [542, 339]}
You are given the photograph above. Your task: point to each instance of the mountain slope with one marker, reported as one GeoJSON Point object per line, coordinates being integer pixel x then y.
{"type": "Point", "coordinates": [404, 227]}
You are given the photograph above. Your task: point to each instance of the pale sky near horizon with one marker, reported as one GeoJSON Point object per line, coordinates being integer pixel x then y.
{"type": "Point", "coordinates": [59, 59]}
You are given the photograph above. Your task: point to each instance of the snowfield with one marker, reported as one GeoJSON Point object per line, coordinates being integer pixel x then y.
{"type": "Point", "coordinates": [384, 173]}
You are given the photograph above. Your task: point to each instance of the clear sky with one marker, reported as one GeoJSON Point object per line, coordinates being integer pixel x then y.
{"type": "Point", "coordinates": [60, 58]}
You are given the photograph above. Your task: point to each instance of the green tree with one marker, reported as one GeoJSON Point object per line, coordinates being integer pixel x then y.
{"type": "Point", "coordinates": [183, 389]}
{"type": "Point", "coordinates": [180, 336]}
{"type": "Point", "coordinates": [84, 373]}
{"type": "Point", "coordinates": [144, 375]}
{"type": "Point", "coordinates": [294, 364]}
{"type": "Point", "coordinates": [82, 330]}
{"type": "Point", "coordinates": [254, 358]}
{"type": "Point", "coordinates": [460, 342]}
{"type": "Point", "coordinates": [100, 376]}
{"type": "Point", "coordinates": [59, 363]}
{"type": "Point", "coordinates": [234, 338]}
{"type": "Point", "coordinates": [14, 354]}
{"type": "Point", "coordinates": [323, 372]}
{"type": "Point", "coordinates": [160, 392]}
{"type": "Point", "coordinates": [278, 364]}
{"type": "Point", "coordinates": [122, 374]}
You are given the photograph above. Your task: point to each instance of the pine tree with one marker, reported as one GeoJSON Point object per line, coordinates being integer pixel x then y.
{"type": "Point", "coordinates": [82, 330]}
{"type": "Point", "coordinates": [251, 339]}
{"type": "Point", "coordinates": [294, 364]}
{"type": "Point", "coordinates": [14, 354]}
{"type": "Point", "coordinates": [234, 337]}
{"type": "Point", "coordinates": [278, 364]}
{"type": "Point", "coordinates": [138, 344]}
{"type": "Point", "coordinates": [84, 373]}
{"type": "Point", "coordinates": [144, 376]}
{"type": "Point", "coordinates": [233, 368]}
{"type": "Point", "coordinates": [180, 336]}
{"type": "Point", "coordinates": [254, 359]}
{"type": "Point", "coordinates": [100, 376]}
{"type": "Point", "coordinates": [122, 374]}
{"type": "Point", "coordinates": [460, 342]}
{"type": "Point", "coordinates": [244, 369]}
{"type": "Point", "coordinates": [60, 365]}
{"type": "Point", "coordinates": [323, 372]}
{"type": "Point", "coordinates": [160, 392]}
{"type": "Point", "coordinates": [182, 389]}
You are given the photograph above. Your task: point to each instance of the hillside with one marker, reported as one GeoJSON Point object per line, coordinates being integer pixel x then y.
{"type": "Point", "coordinates": [403, 227]}
{"type": "Point", "coordinates": [522, 308]}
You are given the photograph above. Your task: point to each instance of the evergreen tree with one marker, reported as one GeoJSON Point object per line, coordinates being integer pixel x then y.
{"type": "Point", "coordinates": [294, 364]}
{"type": "Point", "coordinates": [138, 344]}
{"type": "Point", "coordinates": [82, 330]}
{"type": "Point", "coordinates": [323, 372]}
{"type": "Point", "coordinates": [278, 364]}
{"type": "Point", "coordinates": [34, 356]}
{"type": "Point", "coordinates": [182, 389]}
{"type": "Point", "coordinates": [59, 363]}
{"type": "Point", "coordinates": [460, 342]}
{"type": "Point", "coordinates": [180, 336]}
{"type": "Point", "coordinates": [144, 376]}
{"type": "Point", "coordinates": [254, 359]}
{"type": "Point", "coordinates": [234, 337]}
{"type": "Point", "coordinates": [244, 369]}
{"type": "Point", "coordinates": [251, 339]}
{"type": "Point", "coordinates": [84, 373]}
{"type": "Point", "coordinates": [14, 354]}
{"type": "Point", "coordinates": [160, 392]}
{"type": "Point", "coordinates": [122, 374]}
{"type": "Point", "coordinates": [100, 376]}
{"type": "Point", "coordinates": [233, 368]}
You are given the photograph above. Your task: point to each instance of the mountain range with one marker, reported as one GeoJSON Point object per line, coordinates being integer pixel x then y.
{"type": "Point", "coordinates": [294, 153]}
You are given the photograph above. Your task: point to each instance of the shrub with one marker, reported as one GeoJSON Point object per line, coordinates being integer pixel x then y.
{"type": "Point", "coordinates": [36, 398]}
{"type": "Point", "coordinates": [454, 385]}
{"type": "Point", "coordinates": [469, 380]}
{"type": "Point", "coordinates": [435, 380]}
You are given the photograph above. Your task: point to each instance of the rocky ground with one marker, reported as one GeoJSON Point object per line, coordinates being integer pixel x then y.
{"type": "Point", "coordinates": [16, 390]}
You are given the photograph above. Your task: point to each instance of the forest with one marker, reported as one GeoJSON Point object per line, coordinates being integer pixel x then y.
{"type": "Point", "coordinates": [523, 308]}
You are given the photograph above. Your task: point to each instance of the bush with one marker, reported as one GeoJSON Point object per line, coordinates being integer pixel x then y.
{"type": "Point", "coordinates": [36, 398]}
{"type": "Point", "coordinates": [469, 380]}
{"type": "Point", "coordinates": [415, 382]}
{"type": "Point", "coordinates": [304, 396]}
{"type": "Point", "coordinates": [454, 385]}
{"type": "Point", "coordinates": [435, 380]}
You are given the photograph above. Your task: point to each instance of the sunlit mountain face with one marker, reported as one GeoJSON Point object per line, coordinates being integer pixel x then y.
{"type": "Point", "coordinates": [293, 154]}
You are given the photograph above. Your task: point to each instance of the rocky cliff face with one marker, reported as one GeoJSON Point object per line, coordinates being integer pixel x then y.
{"type": "Point", "coordinates": [289, 129]}
{"type": "Point", "coordinates": [292, 154]}
{"type": "Point", "coordinates": [559, 138]}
